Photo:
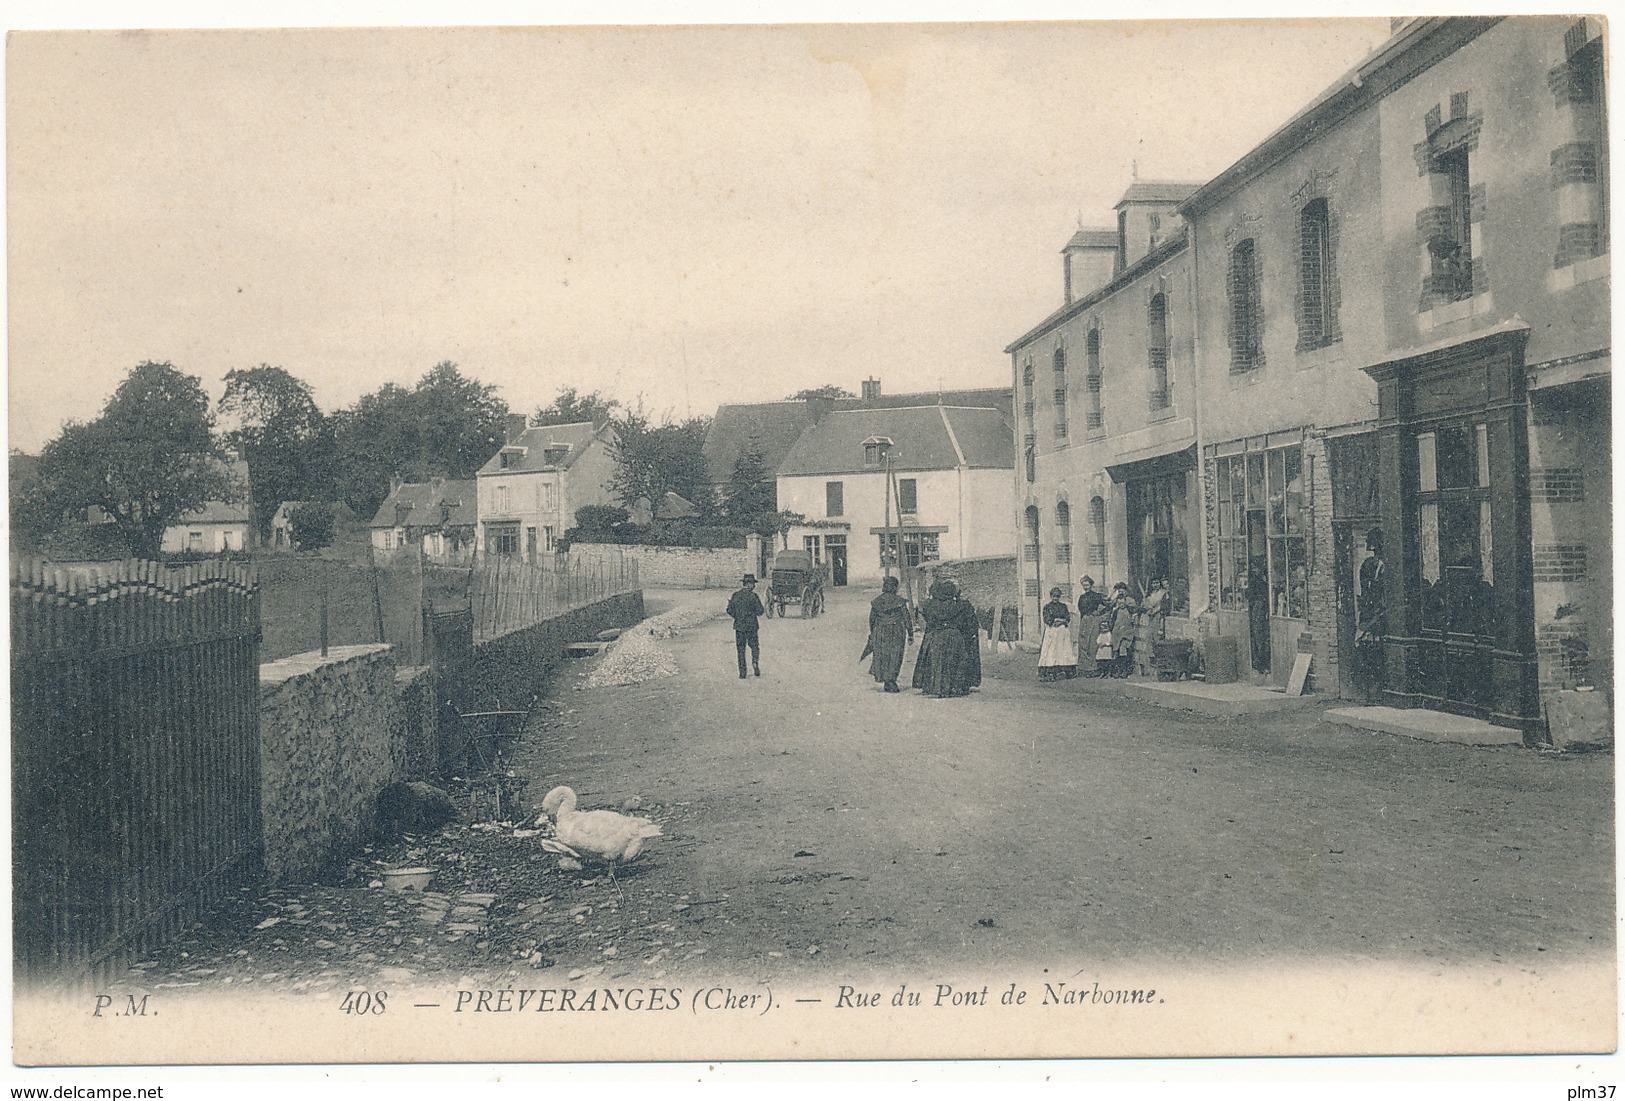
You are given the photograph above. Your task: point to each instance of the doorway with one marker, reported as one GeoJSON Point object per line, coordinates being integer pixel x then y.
{"type": "Point", "coordinates": [1454, 489]}
{"type": "Point", "coordinates": [835, 547]}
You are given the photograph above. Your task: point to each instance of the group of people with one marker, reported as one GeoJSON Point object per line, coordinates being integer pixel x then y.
{"type": "Point", "coordinates": [950, 659]}
{"type": "Point", "coordinates": [1115, 634]}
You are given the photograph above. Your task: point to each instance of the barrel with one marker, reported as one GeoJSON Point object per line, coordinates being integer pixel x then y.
{"type": "Point", "coordinates": [1219, 659]}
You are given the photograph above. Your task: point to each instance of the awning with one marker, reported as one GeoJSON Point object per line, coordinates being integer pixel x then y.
{"type": "Point", "coordinates": [1174, 459]}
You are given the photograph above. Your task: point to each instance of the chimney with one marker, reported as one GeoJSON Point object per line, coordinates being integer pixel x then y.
{"type": "Point", "coordinates": [1089, 261]}
{"type": "Point", "coordinates": [514, 425]}
{"type": "Point", "coordinates": [871, 389]}
{"type": "Point", "coordinates": [819, 408]}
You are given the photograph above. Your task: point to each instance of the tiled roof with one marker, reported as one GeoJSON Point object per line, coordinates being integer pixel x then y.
{"type": "Point", "coordinates": [927, 437]}
{"type": "Point", "coordinates": [226, 512]}
{"type": "Point", "coordinates": [535, 443]}
{"type": "Point", "coordinates": [773, 427]}
{"type": "Point", "coordinates": [770, 427]}
{"type": "Point", "coordinates": [1160, 191]}
{"type": "Point", "coordinates": [422, 501]}
{"type": "Point", "coordinates": [1092, 238]}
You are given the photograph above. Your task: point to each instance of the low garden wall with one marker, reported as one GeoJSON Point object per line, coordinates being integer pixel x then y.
{"type": "Point", "coordinates": [335, 731]}
{"type": "Point", "coordinates": [672, 567]}
{"type": "Point", "coordinates": [326, 731]}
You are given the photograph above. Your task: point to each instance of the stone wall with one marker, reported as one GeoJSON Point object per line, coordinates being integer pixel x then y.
{"type": "Point", "coordinates": [327, 731]}
{"type": "Point", "coordinates": [990, 582]}
{"type": "Point", "coordinates": [335, 731]}
{"type": "Point", "coordinates": [671, 567]}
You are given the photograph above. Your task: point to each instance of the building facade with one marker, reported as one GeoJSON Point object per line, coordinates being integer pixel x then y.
{"type": "Point", "coordinates": [435, 519]}
{"type": "Point", "coordinates": [529, 491]}
{"type": "Point", "coordinates": [1399, 309]}
{"type": "Point", "coordinates": [950, 499]}
{"type": "Point", "coordinates": [1105, 388]}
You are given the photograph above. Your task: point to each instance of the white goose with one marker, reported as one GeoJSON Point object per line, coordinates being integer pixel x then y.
{"type": "Point", "coordinates": [610, 836]}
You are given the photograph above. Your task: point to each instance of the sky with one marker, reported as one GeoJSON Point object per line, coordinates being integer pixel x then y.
{"type": "Point", "coordinates": [686, 215]}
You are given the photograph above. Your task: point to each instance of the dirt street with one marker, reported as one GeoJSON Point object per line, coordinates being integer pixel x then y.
{"type": "Point", "coordinates": [817, 828]}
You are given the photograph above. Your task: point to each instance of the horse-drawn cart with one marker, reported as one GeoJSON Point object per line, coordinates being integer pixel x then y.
{"type": "Point", "coordinates": [796, 579]}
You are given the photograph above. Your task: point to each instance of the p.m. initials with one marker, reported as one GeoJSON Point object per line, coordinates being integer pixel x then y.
{"type": "Point", "coordinates": [133, 1006]}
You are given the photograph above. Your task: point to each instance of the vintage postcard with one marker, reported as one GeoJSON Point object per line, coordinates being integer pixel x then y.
{"type": "Point", "coordinates": [868, 541]}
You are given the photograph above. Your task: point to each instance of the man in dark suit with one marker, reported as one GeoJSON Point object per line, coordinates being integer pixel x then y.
{"type": "Point", "coordinates": [746, 609]}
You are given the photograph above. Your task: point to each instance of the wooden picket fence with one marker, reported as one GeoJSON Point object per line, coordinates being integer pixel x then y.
{"type": "Point", "coordinates": [507, 593]}
{"type": "Point", "coordinates": [135, 756]}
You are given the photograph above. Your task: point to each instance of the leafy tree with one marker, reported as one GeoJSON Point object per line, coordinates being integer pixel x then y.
{"type": "Point", "coordinates": [281, 434]}
{"type": "Point", "coordinates": [312, 525]}
{"type": "Point", "coordinates": [828, 390]}
{"type": "Point", "coordinates": [654, 459]}
{"type": "Point", "coordinates": [149, 458]}
{"type": "Point", "coordinates": [751, 491]}
{"type": "Point", "coordinates": [462, 420]}
{"type": "Point", "coordinates": [573, 407]}
{"type": "Point", "coordinates": [447, 426]}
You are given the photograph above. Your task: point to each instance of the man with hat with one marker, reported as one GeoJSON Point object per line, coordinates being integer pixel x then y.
{"type": "Point", "coordinates": [746, 609]}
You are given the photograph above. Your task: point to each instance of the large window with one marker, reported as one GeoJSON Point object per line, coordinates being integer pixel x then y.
{"type": "Point", "coordinates": [908, 497]}
{"type": "Point", "coordinates": [1262, 531]}
{"type": "Point", "coordinates": [918, 547]}
{"type": "Point", "coordinates": [834, 498]}
{"type": "Point", "coordinates": [1063, 532]}
{"type": "Point", "coordinates": [1246, 309]}
{"type": "Point", "coordinates": [502, 539]}
{"type": "Point", "coordinates": [1091, 352]}
{"type": "Point", "coordinates": [1156, 323]}
{"type": "Point", "coordinates": [1453, 505]}
{"type": "Point", "coordinates": [1157, 541]}
{"type": "Point", "coordinates": [1317, 319]}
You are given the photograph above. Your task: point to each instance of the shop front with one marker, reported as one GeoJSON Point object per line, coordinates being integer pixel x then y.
{"type": "Point", "coordinates": [1263, 531]}
{"type": "Point", "coordinates": [1453, 471]}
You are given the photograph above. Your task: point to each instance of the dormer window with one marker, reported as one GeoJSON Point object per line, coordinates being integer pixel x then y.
{"type": "Point", "coordinates": [512, 457]}
{"type": "Point", "coordinates": [554, 454]}
{"type": "Point", "coordinates": [875, 449]}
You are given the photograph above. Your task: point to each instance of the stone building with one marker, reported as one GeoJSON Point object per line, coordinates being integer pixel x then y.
{"type": "Point", "coordinates": [1105, 479]}
{"type": "Point", "coordinates": [1400, 309]}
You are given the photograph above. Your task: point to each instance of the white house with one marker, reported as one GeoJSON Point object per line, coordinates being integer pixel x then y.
{"type": "Point", "coordinates": [529, 490]}
{"type": "Point", "coordinates": [953, 467]}
{"type": "Point", "coordinates": [218, 525]}
{"type": "Point", "coordinates": [435, 517]}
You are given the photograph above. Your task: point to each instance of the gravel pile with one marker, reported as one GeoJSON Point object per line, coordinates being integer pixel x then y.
{"type": "Point", "coordinates": [640, 654]}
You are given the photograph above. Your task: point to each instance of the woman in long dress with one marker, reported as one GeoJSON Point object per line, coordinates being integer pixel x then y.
{"type": "Point", "coordinates": [1057, 656]}
{"type": "Point", "coordinates": [970, 627]}
{"type": "Point", "coordinates": [891, 629]}
{"type": "Point", "coordinates": [1090, 606]}
{"type": "Point", "coordinates": [1122, 632]}
{"type": "Point", "coordinates": [1149, 628]}
{"type": "Point", "coordinates": [939, 670]}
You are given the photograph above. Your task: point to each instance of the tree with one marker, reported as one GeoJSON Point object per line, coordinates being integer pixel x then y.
{"type": "Point", "coordinates": [573, 407]}
{"type": "Point", "coordinates": [751, 491]}
{"type": "Point", "coordinates": [828, 390]}
{"type": "Point", "coordinates": [463, 420]}
{"type": "Point", "coordinates": [655, 459]}
{"type": "Point", "coordinates": [312, 525]}
{"type": "Point", "coordinates": [282, 435]}
{"type": "Point", "coordinates": [446, 426]}
{"type": "Point", "coordinates": [149, 458]}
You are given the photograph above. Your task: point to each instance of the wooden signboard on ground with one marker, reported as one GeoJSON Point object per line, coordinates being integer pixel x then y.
{"type": "Point", "coordinates": [1300, 674]}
